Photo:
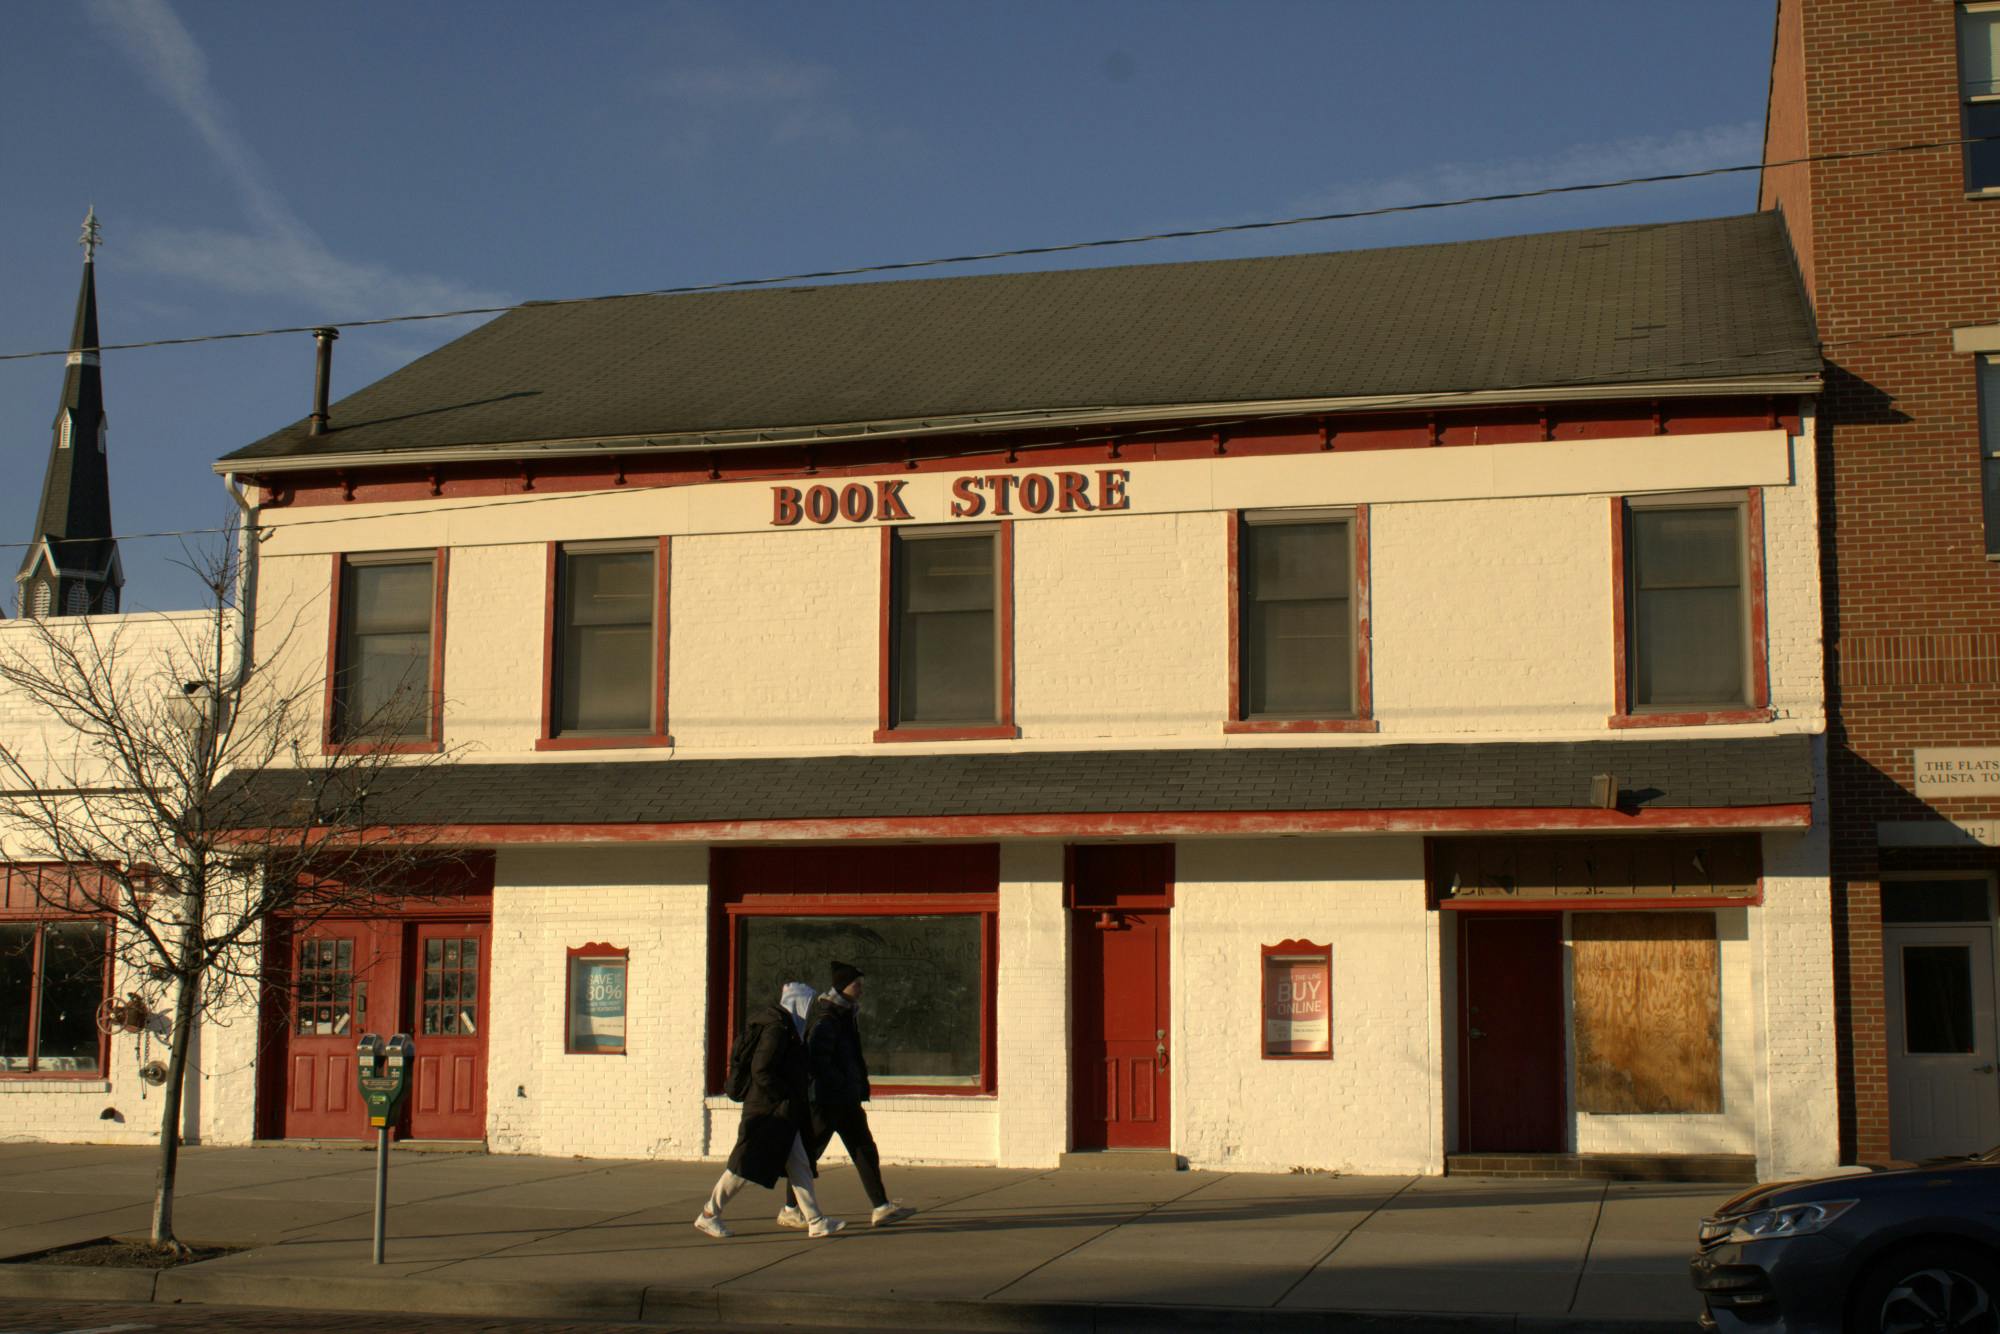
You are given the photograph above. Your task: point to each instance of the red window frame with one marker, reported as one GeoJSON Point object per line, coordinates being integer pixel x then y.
{"type": "Point", "coordinates": [434, 743]}
{"type": "Point", "coordinates": [930, 880]}
{"type": "Point", "coordinates": [1234, 722]}
{"type": "Point", "coordinates": [594, 952]}
{"type": "Point", "coordinates": [1296, 947]}
{"type": "Point", "coordinates": [550, 738]}
{"type": "Point", "coordinates": [1003, 729]}
{"type": "Point", "coordinates": [20, 904]}
{"type": "Point", "coordinates": [1758, 710]}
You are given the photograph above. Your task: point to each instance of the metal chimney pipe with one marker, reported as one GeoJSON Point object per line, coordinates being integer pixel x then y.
{"type": "Point", "coordinates": [323, 372]}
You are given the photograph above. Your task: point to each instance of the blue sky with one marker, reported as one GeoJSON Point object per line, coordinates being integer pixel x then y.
{"type": "Point", "coordinates": [279, 164]}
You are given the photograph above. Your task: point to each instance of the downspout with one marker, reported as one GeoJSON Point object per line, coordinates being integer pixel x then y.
{"type": "Point", "coordinates": [246, 588]}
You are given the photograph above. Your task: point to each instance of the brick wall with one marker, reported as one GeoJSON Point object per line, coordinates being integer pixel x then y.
{"type": "Point", "coordinates": [1897, 255]}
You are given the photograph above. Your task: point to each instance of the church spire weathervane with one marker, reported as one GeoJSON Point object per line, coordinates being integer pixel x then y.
{"type": "Point", "coordinates": [93, 235]}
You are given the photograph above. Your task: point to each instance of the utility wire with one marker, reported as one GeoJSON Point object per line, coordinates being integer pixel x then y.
{"type": "Point", "coordinates": [1182, 234]}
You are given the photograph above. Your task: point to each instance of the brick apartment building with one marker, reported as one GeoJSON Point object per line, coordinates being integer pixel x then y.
{"type": "Point", "coordinates": [1901, 256]}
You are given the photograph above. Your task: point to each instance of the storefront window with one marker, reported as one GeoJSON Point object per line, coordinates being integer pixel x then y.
{"type": "Point", "coordinates": [52, 979]}
{"type": "Point", "coordinates": [922, 1010]}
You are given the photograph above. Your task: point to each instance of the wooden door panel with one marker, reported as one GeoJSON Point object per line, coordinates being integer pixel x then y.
{"type": "Point", "coordinates": [1120, 1017]}
{"type": "Point", "coordinates": [336, 967]}
{"type": "Point", "coordinates": [1511, 1055]}
{"type": "Point", "coordinates": [449, 972]}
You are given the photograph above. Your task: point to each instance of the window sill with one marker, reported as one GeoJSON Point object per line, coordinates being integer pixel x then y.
{"type": "Point", "coordinates": [1990, 192]}
{"type": "Point", "coordinates": [1254, 726]}
{"type": "Point", "coordinates": [999, 732]}
{"type": "Point", "coordinates": [1693, 718]}
{"type": "Point", "coordinates": [601, 742]}
{"type": "Point", "coordinates": [382, 748]}
{"type": "Point", "coordinates": [84, 1081]}
{"type": "Point", "coordinates": [717, 1102]}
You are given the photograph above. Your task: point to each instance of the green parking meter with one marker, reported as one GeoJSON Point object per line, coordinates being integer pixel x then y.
{"type": "Point", "coordinates": [383, 1072]}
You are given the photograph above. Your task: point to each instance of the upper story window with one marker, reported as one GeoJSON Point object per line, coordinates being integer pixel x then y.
{"type": "Point", "coordinates": [1989, 449]}
{"type": "Point", "coordinates": [1691, 594]}
{"type": "Point", "coordinates": [607, 669]}
{"type": "Point", "coordinates": [1979, 90]}
{"type": "Point", "coordinates": [948, 634]}
{"type": "Point", "coordinates": [387, 649]}
{"type": "Point", "coordinates": [1299, 617]}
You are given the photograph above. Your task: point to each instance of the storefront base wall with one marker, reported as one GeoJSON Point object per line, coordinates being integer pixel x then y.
{"type": "Point", "coordinates": [1798, 1128]}
{"type": "Point", "coordinates": [647, 1103]}
{"type": "Point", "coordinates": [1378, 1105]}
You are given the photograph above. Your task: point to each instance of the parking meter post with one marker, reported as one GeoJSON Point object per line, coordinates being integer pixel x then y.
{"type": "Point", "coordinates": [381, 1189]}
{"type": "Point", "coordinates": [383, 1072]}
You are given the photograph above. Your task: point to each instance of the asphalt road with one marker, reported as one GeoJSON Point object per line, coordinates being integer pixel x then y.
{"type": "Point", "coordinates": [121, 1318]}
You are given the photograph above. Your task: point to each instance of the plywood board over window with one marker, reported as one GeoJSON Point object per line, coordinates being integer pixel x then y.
{"type": "Point", "coordinates": [1648, 1012]}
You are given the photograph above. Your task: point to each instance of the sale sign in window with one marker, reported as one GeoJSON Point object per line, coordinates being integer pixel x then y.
{"type": "Point", "coordinates": [1298, 1000]}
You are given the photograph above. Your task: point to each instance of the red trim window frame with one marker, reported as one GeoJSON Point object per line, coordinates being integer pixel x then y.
{"type": "Point", "coordinates": [595, 952]}
{"type": "Point", "coordinates": [1363, 718]}
{"type": "Point", "coordinates": [1757, 708]}
{"type": "Point", "coordinates": [1003, 727]}
{"type": "Point", "coordinates": [551, 737]}
{"type": "Point", "coordinates": [331, 742]}
{"type": "Point", "coordinates": [21, 905]}
{"type": "Point", "coordinates": [943, 880]}
{"type": "Point", "coordinates": [1292, 949]}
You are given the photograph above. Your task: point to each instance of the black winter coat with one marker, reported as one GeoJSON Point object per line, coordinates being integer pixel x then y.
{"type": "Point", "coordinates": [839, 1070]}
{"type": "Point", "coordinates": [775, 1110]}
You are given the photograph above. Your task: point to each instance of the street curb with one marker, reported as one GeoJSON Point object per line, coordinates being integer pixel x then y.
{"type": "Point", "coordinates": [724, 1307]}
{"type": "Point", "coordinates": [77, 1283]}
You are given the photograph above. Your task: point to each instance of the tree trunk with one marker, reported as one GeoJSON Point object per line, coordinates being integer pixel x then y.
{"type": "Point", "coordinates": [170, 1111]}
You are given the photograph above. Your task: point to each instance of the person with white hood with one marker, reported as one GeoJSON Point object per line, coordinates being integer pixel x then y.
{"type": "Point", "coordinates": [776, 1115]}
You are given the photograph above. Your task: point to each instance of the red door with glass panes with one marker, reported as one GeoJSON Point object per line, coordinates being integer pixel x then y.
{"type": "Point", "coordinates": [344, 983]}
{"type": "Point", "coordinates": [448, 974]}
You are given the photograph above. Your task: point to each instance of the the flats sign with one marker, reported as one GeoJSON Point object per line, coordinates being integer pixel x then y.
{"type": "Point", "coordinates": [998, 495]}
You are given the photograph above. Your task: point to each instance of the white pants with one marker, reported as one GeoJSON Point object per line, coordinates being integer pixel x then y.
{"type": "Point", "coordinates": [798, 1170]}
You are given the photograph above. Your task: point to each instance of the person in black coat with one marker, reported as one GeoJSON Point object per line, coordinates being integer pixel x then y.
{"type": "Point", "coordinates": [839, 1090]}
{"type": "Point", "coordinates": [770, 1139]}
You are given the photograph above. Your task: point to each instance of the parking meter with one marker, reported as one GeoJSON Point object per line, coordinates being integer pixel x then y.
{"type": "Point", "coordinates": [383, 1073]}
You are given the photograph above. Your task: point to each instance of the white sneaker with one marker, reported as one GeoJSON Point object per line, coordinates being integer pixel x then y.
{"type": "Point", "coordinates": [824, 1226]}
{"type": "Point", "coordinates": [789, 1216]}
{"type": "Point", "coordinates": [891, 1212]}
{"type": "Point", "coordinates": [713, 1226]}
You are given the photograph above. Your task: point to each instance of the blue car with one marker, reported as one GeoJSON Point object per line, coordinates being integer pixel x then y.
{"type": "Point", "coordinates": [1916, 1249]}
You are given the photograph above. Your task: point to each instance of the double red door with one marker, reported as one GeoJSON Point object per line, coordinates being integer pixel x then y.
{"type": "Point", "coordinates": [427, 979]}
{"type": "Point", "coordinates": [1121, 1048]}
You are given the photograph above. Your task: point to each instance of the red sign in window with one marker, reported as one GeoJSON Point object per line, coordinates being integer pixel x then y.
{"type": "Point", "coordinates": [1298, 1000]}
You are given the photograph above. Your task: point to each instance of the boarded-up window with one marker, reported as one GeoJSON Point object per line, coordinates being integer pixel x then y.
{"type": "Point", "coordinates": [1648, 1004]}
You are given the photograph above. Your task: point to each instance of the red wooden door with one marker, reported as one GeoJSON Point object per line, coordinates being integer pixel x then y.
{"type": "Point", "coordinates": [1119, 1050]}
{"type": "Point", "coordinates": [448, 986]}
{"type": "Point", "coordinates": [1511, 1044]}
{"type": "Point", "coordinates": [343, 978]}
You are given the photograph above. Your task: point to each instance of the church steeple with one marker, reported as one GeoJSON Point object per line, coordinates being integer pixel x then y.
{"type": "Point", "coordinates": [72, 566]}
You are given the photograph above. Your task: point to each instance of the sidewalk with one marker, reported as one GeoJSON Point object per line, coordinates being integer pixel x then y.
{"type": "Point", "coordinates": [991, 1249]}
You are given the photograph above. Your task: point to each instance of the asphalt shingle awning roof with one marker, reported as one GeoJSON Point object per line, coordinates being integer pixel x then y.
{"type": "Point", "coordinates": [1717, 299]}
{"type": "Point", "coordinates": [1656, 776]}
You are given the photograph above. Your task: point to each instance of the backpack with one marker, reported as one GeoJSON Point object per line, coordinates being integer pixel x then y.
{"type": "Point", "coordinates": [738, 1084]}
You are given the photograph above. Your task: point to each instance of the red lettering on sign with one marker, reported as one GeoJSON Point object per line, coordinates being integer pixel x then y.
{"type": "Point", "coordinates": [968, 503]}
{"type": "Point", "coordinates": [820, 504]}
{"type": "Point", "coordinates": [889, 501]}
{"type": "Point", "coordinates": [785, 509]}
{"type": "Point", "coordinates": [1075, 488]}
{"type": "Point", "coordinates": [1037, 493]}
{"type": "Point", "coordinates": [1002, 485]}
{"type": "Point", "coordinates": [1111, 488]}
{"type": "Point", "coordinates": [857, 503]}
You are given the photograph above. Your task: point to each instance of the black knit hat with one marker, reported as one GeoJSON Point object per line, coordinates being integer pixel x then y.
{"type": "Point", "coordinates": [843, 973]}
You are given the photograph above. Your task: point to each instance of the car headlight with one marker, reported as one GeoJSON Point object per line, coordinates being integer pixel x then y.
{"type": "Point", "coordinates": [1791, 1220]}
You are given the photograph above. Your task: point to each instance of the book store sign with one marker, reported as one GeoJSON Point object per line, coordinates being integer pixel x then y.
{"type": "Point", "coordinates": [999, 495]}
{"type": "Point", "coordinates": [1965, 771]}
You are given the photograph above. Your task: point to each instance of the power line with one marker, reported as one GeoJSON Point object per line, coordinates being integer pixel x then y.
{"type": "Point", "coordinates": [1020, 252]}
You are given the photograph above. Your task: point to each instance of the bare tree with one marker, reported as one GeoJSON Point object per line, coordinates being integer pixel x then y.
{"type": "Point", "coordinates": [130, 785]}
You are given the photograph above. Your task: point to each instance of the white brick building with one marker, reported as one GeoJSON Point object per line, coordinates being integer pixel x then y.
{"type": "Point", "coordinates": [1084, 655]}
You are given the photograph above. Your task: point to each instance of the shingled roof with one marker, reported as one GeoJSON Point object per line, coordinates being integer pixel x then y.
{"type": "Point", "coordinates": [1652, 775]}
{"type": "Point", "coordinates": [1710, 301]}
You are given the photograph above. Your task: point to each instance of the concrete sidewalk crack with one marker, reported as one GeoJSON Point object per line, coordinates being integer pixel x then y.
{"type": "Point", "coordinates": [1395, 1195]}
{"type": "Point", "coordinates": [1148, 1212]}
{"type": "Point", "coordinates": [1576, 1289]}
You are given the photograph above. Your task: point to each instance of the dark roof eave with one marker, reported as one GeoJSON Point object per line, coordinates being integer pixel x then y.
{"type": "Point", "coordinates": [669, 442]}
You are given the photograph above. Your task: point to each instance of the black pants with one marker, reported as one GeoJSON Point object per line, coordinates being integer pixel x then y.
{"type": "Point", "coordinates": [850, 1122]}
